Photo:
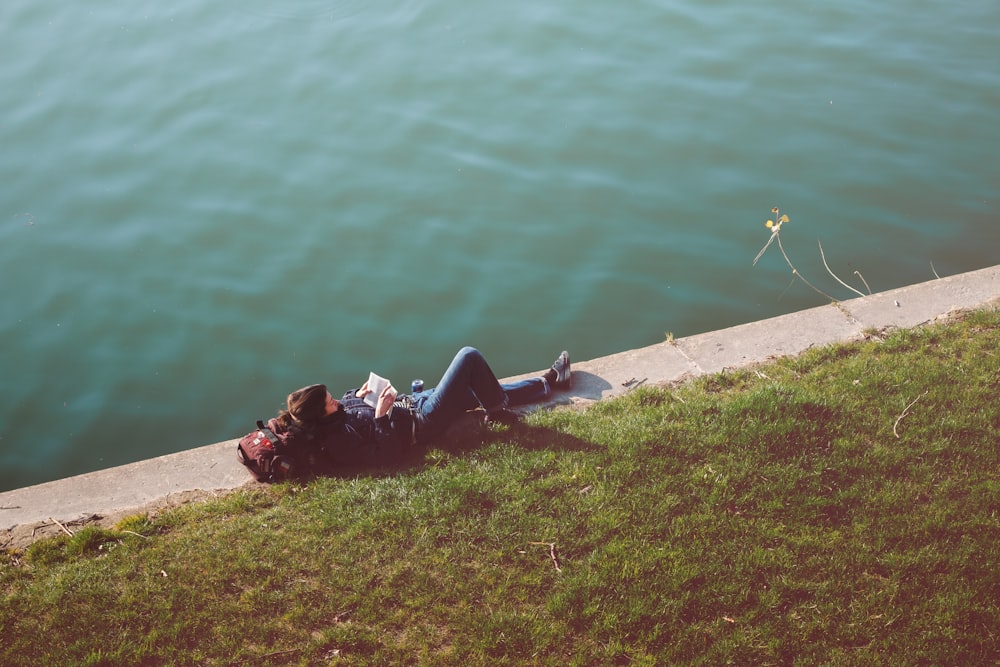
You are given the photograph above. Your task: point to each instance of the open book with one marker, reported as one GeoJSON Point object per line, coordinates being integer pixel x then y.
{"type": "Point", "coordinates": [377, 384]}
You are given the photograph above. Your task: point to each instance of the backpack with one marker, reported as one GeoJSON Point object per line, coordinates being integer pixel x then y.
{"type": "Point", "coordinates": [266, 454]}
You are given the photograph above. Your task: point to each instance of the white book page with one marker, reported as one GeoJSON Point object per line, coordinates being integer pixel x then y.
{"type": "Point", "coordinates": [376, 384]}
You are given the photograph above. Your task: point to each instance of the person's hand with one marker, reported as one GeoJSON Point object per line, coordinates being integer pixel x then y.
{"type": "Point", "coordinates": [385, 401]}
{"type": "Point", "coordinates": [363, 391]}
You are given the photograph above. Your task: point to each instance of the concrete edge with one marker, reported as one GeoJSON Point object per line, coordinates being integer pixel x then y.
{"type": "Point", "coordinates": [213, 469]}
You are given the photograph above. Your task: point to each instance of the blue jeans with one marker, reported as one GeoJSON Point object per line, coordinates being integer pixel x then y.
{"type": "Point", "coordinates": [469, 383]}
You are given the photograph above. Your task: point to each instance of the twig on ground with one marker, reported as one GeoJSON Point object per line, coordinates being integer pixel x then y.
{"type": "Point", "coordinates": [552, 553]}
{"type": "Point", "coordinates": [934, 271]}
{"type": "Point", "coordinates": [554, 556]}
{"type": "Point", "coordinates": [903, 414]}
{"type": "Point", "coordinates": [64, 528]}
{"type": "Point", "coordinates": [130, 532]}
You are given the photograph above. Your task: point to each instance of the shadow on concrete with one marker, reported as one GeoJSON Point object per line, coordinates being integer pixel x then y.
{"type": "Point", "coordinates": [586, 386]}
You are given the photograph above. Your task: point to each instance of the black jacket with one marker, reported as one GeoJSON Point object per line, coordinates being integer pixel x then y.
{"type": "Point", "coordinates": [350, 437]}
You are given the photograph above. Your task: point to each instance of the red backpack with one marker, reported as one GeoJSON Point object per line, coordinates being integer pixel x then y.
{"type": "Point", "coordinates": [266, 454]}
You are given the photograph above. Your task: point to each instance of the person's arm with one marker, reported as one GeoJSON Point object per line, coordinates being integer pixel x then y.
{"type": "Point", "coordinates": [385, 399]}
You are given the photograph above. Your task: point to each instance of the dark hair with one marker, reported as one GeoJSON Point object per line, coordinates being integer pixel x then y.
{"type": "Point", "coordinates": [306, 405]}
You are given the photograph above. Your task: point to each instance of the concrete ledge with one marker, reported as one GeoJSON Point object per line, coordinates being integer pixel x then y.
{"type": "Point", "coordinates": [777, 337]}
{"type": "Point", "coordinates": [117, 491]}
{"type": "Point", "coordinates": [129, 488]}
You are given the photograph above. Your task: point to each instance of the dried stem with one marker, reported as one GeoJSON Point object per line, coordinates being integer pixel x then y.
{"type": "Point", "coordinates": [796, 271]}
{"type": "Point", "coordinates": [767, 245]}
{"type": "Point", "coordinates": [907, 409]}
{"type": "Point", "coordinates": [130, 532]}
{"type": "Point", "coordinates": [552, 553]}
{"type": "Point", "coordinates": [823, 255]}
{"type": "Point", "coordinates": [858, 274]}
{"type": "Point", "coordinates": [64, 528]}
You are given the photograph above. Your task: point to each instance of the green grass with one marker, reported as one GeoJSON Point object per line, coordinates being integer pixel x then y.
{"type": "Point", "coordinates": [840, 507]}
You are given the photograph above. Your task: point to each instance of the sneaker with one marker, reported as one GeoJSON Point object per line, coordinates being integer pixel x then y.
{"type": "Point", "coordinates": [502, 416]}
{"type": "Point", "coordinates": [563, 372]}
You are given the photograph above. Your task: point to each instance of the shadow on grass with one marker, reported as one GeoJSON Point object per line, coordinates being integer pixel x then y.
{"type": "Point", "coordinates": [470, 434]}
{"type": "Point", "coordinates": [466, 436]}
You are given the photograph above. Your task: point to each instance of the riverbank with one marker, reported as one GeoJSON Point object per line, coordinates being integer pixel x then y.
{"type": "Point", "coordinates": [833, 507]}
{"type": "Point", "coordinates": [105, 495]}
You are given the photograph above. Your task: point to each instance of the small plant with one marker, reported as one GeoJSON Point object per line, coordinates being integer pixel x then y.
{"type": "Point", "coordinates": [775, 227]}
{"type": "Point", "coordinates": [137, 524]}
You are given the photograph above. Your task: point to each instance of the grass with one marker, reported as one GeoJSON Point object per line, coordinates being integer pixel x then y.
{"type": "Point", "coordinates": [840, 507]}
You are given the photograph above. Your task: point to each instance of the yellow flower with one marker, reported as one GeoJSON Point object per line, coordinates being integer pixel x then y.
{"type": "Point", "coordinates": [769, 224]}
{"type": "Point", "coordinates": [784, 218]}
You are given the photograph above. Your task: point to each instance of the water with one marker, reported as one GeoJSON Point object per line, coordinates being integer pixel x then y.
{"type": "Point", "coordinates": [204, 207]}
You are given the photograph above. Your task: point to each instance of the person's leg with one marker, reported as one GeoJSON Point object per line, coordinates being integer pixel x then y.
{"type": "Point", "coordinates": [525, 392]}
{"type": "Point", "coordinates": [468, 383]}
{"type": "Point", "coordinates": [537, 389]}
